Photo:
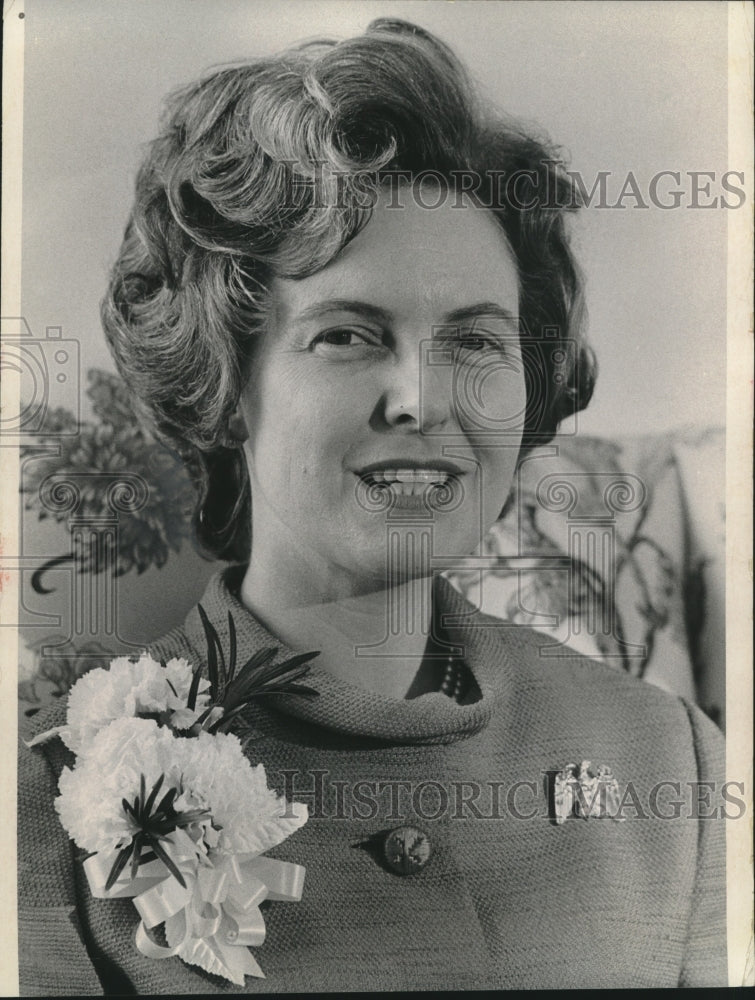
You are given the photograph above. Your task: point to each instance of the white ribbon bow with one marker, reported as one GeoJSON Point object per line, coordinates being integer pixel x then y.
{"type": "Point", "coordinates": [215, 918]}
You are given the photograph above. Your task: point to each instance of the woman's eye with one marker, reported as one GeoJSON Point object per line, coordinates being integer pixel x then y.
{"type": "Point", "coordinates": [344, 337]}
{"type": "Point", "coordinates": [475, 343]}
{"type": "Point", "coordinates": [480, 342]}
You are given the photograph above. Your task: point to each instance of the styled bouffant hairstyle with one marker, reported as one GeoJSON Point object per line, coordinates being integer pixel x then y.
{"type": "Point", "coordinates": [261, 170]}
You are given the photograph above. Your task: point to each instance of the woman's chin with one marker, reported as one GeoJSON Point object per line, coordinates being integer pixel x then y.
{"type": "Point", "coordinates": [404, 552]}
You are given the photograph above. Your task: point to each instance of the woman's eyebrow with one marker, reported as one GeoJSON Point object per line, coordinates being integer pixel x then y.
{"type": "Point", "coordinates": [364, 309]}
{"type": "Point", "coordinates": [378, 314]}
{"type": "Point", "coordinates": [480, 309]}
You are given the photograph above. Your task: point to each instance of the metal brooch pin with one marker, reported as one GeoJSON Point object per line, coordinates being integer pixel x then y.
{"type": "Point", "coordinates": [587, 792]}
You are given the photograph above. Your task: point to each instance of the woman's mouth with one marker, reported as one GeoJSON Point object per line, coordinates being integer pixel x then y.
{"type": "Point", "coordinates": [422, 487]}
{"type": "Point", "coordinates": [407, 482]}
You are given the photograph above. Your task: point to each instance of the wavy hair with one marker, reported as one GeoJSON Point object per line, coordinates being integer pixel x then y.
{"type": "Point", "coordinates": [260, 170]}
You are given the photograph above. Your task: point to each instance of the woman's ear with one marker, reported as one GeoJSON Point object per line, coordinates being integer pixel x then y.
{"type": "Point", "coordinates": [237, 429]}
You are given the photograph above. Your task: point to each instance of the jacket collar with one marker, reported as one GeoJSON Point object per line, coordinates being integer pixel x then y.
{"type": "Point", "coordinates": [351, 710]}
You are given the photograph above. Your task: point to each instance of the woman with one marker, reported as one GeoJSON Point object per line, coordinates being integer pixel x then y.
{"type": "Point", "coordinates": [346, 297]}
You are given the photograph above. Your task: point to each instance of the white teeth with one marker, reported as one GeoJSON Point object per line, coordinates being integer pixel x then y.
{"type": "Point", "coordinates": [407, 489]}
{"type": "Point", "coordinates": [420, 478]}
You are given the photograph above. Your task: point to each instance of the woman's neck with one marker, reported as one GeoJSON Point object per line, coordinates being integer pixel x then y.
{"type": "Point", "coordinates": [373, 638]}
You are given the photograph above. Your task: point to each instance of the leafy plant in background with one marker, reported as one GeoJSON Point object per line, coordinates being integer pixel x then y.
{"type": "Point", "coordinates": [641, 563]}
{"type": "Point", "coordinates": [112, 444]}
{"type": "Point", "coordinates": [51, 677]}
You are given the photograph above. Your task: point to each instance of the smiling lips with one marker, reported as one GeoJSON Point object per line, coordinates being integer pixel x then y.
{"type": "Point", "coordinates": [408, 482]}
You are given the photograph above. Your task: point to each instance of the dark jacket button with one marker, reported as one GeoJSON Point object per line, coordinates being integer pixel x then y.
{"type": "Point", "coordinates": [407, 850]}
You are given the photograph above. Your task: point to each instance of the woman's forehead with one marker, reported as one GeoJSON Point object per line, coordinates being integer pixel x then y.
{"type": "Point", "coordinates": [411, 256]}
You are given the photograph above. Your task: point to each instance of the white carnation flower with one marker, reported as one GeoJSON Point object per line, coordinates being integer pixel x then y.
{"type": "Point", "coordinates": [210, 772]}
{"type": "Point", "coordinates": [125, 690]}
{"type": "Point", "coordinates": [90, 801]}
{"type": "Point", "coordinates": [250, 817]}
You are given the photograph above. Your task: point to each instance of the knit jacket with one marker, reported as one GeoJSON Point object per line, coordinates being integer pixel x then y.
{"type": "Point", "coordinates": [508, 899]}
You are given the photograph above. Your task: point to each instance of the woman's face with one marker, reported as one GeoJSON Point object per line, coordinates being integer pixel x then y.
{"type": "Point", "coordinates": [387, 399]}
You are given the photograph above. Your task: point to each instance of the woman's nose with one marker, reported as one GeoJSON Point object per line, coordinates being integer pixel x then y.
{"type": "Point", "coordinates": [417, 394]}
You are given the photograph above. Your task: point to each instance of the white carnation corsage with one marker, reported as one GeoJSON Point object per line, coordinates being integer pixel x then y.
{"type": "Point", "coordinates": [169, 808]}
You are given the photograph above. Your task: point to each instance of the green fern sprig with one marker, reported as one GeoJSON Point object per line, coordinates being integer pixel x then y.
{"type": "Point", "coordinates": [155, 820]}
{"type": "Point", "coordinates": [232, 689]}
